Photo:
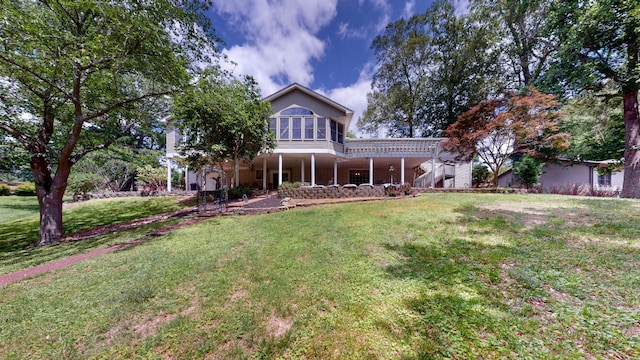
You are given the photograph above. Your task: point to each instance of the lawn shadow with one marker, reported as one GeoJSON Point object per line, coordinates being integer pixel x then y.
{"type": "Point", "coordinates": [457, 306]}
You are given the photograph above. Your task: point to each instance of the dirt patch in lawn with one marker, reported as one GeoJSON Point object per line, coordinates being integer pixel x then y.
{"type": "Point", "coordinates": [532, 215]}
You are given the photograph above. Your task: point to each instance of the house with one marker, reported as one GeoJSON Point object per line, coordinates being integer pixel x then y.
{"type": "Point", "coordinates": [565, 174]}
{"type": "Point", "coordinates": [313, 148]}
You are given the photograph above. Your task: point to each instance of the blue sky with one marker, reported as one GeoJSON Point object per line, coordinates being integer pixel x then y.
{"type": "Point", "coordinates": [321, 44]}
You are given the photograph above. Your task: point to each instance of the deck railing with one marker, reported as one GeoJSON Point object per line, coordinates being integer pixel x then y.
{"type": "Point", "coordinates": [416, 147]}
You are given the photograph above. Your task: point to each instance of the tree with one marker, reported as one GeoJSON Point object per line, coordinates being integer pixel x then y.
{"type": "Point", "coordinates": [431, 68]}
{"type": "Point", "coordinates": [479, 174]}
{"type": "Point", "coordinates": [495, 129]}
{"type": "Point", "coordinates": [596, 126]}
{"type": "Point", "coordinates": [528, 170]}
{"type": "Point", "coordinates": [600, 45]}
{"type": "Point", "coordinates": [402, 54]}
{"type": "Point", "coordinates": [77, 75]}
{"type": "Point", "coordinates": [520, 24]}
{"type": "Point", "coordinates": [223, 118]}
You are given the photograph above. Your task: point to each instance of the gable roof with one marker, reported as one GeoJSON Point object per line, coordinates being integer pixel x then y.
{"type": "Point", "coordinates": [296, 86]}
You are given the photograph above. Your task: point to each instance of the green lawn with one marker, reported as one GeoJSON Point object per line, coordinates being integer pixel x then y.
{"type": "Point", "coordinates": [438, 276]}
{"type": "Point", "coordinates": [19, 234]}
{"type": "Point", "coordinates": [17, 207]}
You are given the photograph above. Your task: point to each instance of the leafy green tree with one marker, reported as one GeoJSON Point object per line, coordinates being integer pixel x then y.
{"type": "Point", "coordinates": [479, 174]}
{"type": "Point", "coordinates": [528, 170]}
{"type": "Point", "coordinates": [152, 178]}
{"type": "Point", "coordinates": [76, 75]}
{"type": "Point", "coordinates": [596, 126]}
{"type": "Point", "coordinates": [402, 53]}
{"type": "Point", "coordinates": [525, 48]}
{"type": "Point", "coordinates": [600, 46]}
{"type": "Point", "coordinates": [431, 68]}
{"type": "Point", "coordinates": [223, 118]}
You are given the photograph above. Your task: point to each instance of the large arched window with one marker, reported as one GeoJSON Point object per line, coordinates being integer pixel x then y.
{"type": "Point", "coordinates": [301, 124]}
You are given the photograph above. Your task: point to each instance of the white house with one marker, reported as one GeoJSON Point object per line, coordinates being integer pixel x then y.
{"type": "Point", "coordinates": [312, 148]}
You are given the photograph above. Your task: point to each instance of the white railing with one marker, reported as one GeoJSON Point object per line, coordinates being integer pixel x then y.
{"type": "Point", "coordinates": [431, 179]}
{"type": "Point", "coordinates": [416, 147]}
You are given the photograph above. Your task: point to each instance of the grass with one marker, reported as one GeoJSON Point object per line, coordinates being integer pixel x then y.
{"type": "Point", "coordinates": [17, 207]}
{"type": "Point", "coordinates": [18, 234]}
{"type": "Point", "coordinates": [439, 276]}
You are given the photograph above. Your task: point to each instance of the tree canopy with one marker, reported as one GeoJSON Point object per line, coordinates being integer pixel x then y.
{"type": "Point", "coordinates": [223, 118]}
{"type": "Point", "coordinates": [75, 76]}
{"type": "Point", "coordinates": [600, 49]}
{"type": "Point", "coordinates": [496, 129]}
{"type": "Point", "coordinates": [431, 68]}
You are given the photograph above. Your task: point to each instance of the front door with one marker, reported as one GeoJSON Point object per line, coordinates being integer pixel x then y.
{"type": "Point", "coordinates": [274, 176]}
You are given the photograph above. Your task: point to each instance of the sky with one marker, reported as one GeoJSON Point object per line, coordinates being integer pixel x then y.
{"type": "Point", "coordinates": [321, 44]}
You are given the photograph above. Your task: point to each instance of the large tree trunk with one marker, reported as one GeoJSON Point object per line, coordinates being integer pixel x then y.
{"type": "Point", "coordinates": [631, 186]}
{"type": "Point", "coordinates": [50, 191]}
{"type": "Point", "coordinates": [50, 217]}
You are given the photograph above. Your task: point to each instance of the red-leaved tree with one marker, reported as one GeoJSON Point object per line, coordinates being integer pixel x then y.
{"type": "Point", "coordinates": [495, 129]}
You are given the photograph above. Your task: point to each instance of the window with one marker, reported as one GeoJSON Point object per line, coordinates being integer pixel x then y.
{"type": "Point", "coordinates": [358, 177]}
{"type": "Point", "coordinates": [334, 131]}
{"type": "Point", "coordinates": [296, 111]}
{"type": "Point", "coordinates": [604, 180]}
{"type": "Point", "coordinates": [296, 128]}
{"type": "Point", "coordinates": [284, 128]}
{"type": "Point", "coordinates": [273, 123]}
{"type": "Point", "coordinates": [321, 131]}
{"type": "Point", "coordinates": [340, 133]}
{"type": "Point", "coordinates": [308, 128]}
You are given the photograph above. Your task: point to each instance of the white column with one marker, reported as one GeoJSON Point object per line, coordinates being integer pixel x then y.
{"type": "Point", "coordinates": [279, 169]}
{"type": "Point", "coordinates": [335, 171]}
{"type": "Point", "coordinates": [302, 171]}
{"type": "Point", "coordinates": [313, 169]}
{"type": "Point", "coordinates": [370, 171]}
{"type": "Point", "coordinates": [168, 174]}
{"type": "Point", "coordinates": [433, 172]}
{"type": "Point", "coordinates": [186, 177]}
{"type": "Point", "coordinates": [264, 173]}
{"type": "Point", "coordinates": [402, 171]}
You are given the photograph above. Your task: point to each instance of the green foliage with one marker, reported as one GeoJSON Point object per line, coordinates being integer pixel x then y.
{"type": "Point", "coordinates": [431, 68]}
{"type": "Point", "coordinates": [479, 174]}
{"type": "Point", "coordinates": [528, 170]}
{"type": "Point", "coordinates": [152, 178]}
{"type": "Point", "coordinates": [83, 183]}
{"type": "Point", "coordinates": [25, 190]}
{"type": "Point", "coordinates": [596, 126]}
{"type": "Point", "coordinates": [290, 185]}
{"type": "Point", "coordinates": [222, 118]}
{"type": "Point", "coordinates": [99, 76]}
{"type": "Point", "coordinates": [5, 190]}
{"type": "Point", "coordinates": [237, 192]}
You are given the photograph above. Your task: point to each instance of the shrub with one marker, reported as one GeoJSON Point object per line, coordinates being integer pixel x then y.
{"type": "Point", "coordinates": [479, 174]}
{"type": "Point", "coordinates": [239, 191]}
{"type": "Point", "coordinates": [5, 190]}
{"type": "Point", "coordinates": [528, 170]}
{"type": "Point", "coordinates": [289, 185]}
{"type": "Point", "coordinates": [82, 183]}
{"type": "Point", "coordinates": [25, 190]}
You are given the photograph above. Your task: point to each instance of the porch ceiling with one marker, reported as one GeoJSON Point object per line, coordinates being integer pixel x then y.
{"type": "Point", "coordinates": [326, 161]}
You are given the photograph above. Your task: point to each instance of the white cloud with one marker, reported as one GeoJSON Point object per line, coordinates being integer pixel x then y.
{"type": "Point", "coordinates": [281, 38]}
{"type": "Point", "coordinates": [461, 6]}
{"type": "Point", "coordinates": [353, 96]}
{"type": "Point", "coordinates": [408, 9]}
